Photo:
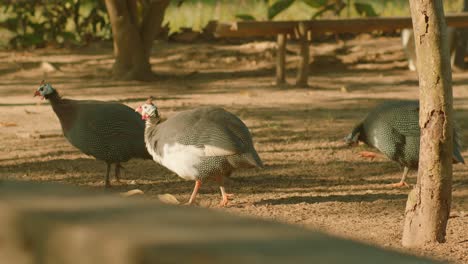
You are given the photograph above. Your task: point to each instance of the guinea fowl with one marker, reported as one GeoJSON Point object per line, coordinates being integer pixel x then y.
{"type": "Point", "coordinates": [202, 143]}
{"type": "Point", "coordinates": [393, 128]}
{"type": "Point", "coordinates": [111, 132]}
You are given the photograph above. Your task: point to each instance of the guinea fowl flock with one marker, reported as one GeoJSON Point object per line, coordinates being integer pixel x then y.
{"type": "Point", "coordinates": [210, 142]}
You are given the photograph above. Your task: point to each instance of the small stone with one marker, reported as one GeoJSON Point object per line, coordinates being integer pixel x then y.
{"type": "Point", "coordinates": [47, 67]}
{"type": "Point", "coordinates": [131, 193]}
{"type": "Point", "coordinates": [168, 199]}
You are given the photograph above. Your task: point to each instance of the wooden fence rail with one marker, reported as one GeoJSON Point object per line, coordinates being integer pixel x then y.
{"type": "Point", "coordinates": [280, 29]}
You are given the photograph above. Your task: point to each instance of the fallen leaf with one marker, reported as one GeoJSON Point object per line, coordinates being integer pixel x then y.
{"type": "Point", "coordinates": [8, 124]}
{"type": "Point", "coordinates": [24, 135]}
{"type": "Point", "coordinates": [29, 112]}
{"type": "Point", "coordinates": [131, 193]}
{"type": "Point", "coordinates": [47, 135]}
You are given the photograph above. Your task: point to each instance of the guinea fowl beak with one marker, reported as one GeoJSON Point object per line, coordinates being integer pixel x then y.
{"type": "Point", "coordinates": [36, 93]}
{"type": "Point", "coordinates": [138, 109]}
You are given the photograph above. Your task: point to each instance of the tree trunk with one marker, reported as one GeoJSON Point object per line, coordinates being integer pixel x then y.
{"type": "Point", "coordinates": [133, 36]}
{"type": "Point", "coordinates": [428, 205]}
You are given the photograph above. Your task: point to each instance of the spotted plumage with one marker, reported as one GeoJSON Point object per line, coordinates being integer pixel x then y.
{"type": "Point", "coordinates": [393, 128]}
{"type": "Point", "coordinates": [202, 143]}
{"type": "Point", "coordinates": [111, 132]}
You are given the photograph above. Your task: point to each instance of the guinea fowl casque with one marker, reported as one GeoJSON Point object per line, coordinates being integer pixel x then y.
{"type": "Point", "coordinates": [111, 132]}
{"type": "Point", "coordinates": [202, 143]}
{"type": "Point", "coordinates": [393, 128]}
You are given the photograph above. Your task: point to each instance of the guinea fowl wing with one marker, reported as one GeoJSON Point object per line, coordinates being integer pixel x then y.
{"type": "Point", "coordinates": [205, 128]}
{"type": "Point", "coordinates": [108, 131]}
{"type": "Point", "coordinates": [405, 119]}
{"type": "Point", "coordinates": [394, 129]}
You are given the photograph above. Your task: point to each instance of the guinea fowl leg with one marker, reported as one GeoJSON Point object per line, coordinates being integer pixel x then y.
{"type": "Point", "coordinates": [107, 176]}
{"type": "Point", "coordinates": [402, 182]}
{"type": "Point", "coordinates": [117, 171]}
{"type": "Point", "coordinates": [225, 196]}
{"type": "Point", "coordinates": [194, 193]}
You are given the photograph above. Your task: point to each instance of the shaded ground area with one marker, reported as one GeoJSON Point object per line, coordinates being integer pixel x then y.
{"type": "Point", "coordinates": [310, 179]}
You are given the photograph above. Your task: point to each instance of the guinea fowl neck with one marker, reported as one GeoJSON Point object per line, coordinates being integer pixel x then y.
{"type": "Point", "coordinates": [54, 97]}
{"type": "Point", "coordinates": [153, 121]}
{"type": "Point", "coordinates": [64, 109]}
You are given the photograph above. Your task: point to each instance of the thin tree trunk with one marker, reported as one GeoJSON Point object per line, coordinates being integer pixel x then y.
{"type": "Point", "coordinates": [133, 39]}
{"type": "Point", "coordinates": [428, 205]}
{"type": "Point", "coordinates": [303, 65]}
{"type": "Point", "coordinates": [281, 59]}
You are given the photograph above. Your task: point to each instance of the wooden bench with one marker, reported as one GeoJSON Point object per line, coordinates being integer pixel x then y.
{"type": "Point", "coordinates": [301, 29]}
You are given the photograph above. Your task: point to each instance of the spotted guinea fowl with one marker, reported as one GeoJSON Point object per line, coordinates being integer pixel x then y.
{"type": "Point", "coordinates": [202, 143]}
{"type": "Point", "coordinates": [108, 131]}
{"type": "Point", "coordinates": [393, 128]}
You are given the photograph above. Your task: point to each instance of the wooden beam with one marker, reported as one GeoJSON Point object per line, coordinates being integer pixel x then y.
{"type": "Point", "coordinates": [303, 67]}
{"type": "Point", "coordinates": [280, 59]}
{"type": "Point", "coordinates": [52, 223]}
{"type": "Point", "coordinates": [354, 25]}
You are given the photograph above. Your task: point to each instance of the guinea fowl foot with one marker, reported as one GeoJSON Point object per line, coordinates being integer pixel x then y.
{"type": "Point", "coordinates": [225, 199]}
{"type": "Point", "coordinates": [399, 184]}
{"type": "Point", "coordinates": [368, 154]}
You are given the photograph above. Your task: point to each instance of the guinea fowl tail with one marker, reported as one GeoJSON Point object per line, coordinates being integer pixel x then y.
{"type": "Point", "coordinates": [142, 153]}
{"type": "Point", "coordinates": [147, 156]}
{"type": "Point", "coordinates": [457, 146]}
{"type": "Point", "coordinates": [457, 156]}
{"type": "Point", "coordinates": [246, 160]}
{"type": "Point", "coordinates": [256, 158]}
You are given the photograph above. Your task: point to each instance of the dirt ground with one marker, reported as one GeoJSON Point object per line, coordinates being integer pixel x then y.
{"type": "Point", "coordinates": [311, 179]}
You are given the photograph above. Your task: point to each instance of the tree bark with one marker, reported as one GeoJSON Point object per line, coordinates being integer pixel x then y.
{"type": "Point", "coordinates": [133, 36]}
{"type": "Point", "coordinates": [428, 205]}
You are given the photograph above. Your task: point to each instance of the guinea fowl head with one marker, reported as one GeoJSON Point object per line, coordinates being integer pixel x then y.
{"type": "Point", "coordinates": [148, 110]}
{"type": "Point", "coordinates": [355, 136]}
{"type": "Point", "coordinates": [44, 91]}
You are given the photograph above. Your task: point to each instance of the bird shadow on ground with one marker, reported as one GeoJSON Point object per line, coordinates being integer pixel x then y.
{"type": "Point", "coordinates": [333, 198]}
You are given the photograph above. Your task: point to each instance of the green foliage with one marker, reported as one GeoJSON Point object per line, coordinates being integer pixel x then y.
{"type": "Point", "coordinates": [315, 3]}
{"type": "Point", "coordinates": [35, 23]}
{"type": "Point", "coordinates": [320, 6]}
{"type": "Point", "coordinates": [245, 17]}
{"type": "Point", "coordinates": [364, 9]}
{"type": "Point", "coordinates": [278, 7]}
